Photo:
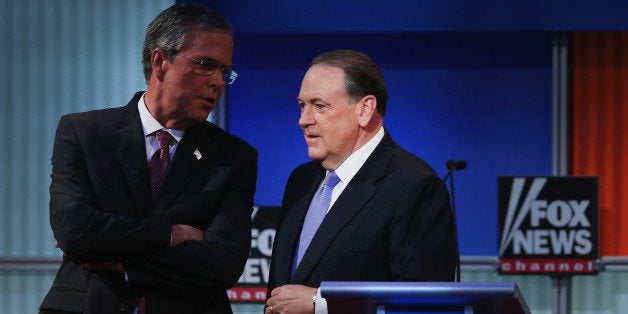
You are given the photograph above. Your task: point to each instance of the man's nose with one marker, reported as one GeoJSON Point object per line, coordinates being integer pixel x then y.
{"type": "Point", "coordinates": [307, 117]}
{"type": "Point", "coordinates": [216, 80]}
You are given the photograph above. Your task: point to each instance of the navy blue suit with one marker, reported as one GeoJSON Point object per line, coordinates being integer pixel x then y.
{"type": "Point", "coordinates": [392, 222]}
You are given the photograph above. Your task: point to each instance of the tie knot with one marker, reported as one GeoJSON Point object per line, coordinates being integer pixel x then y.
{"type": "Point", "coordinates": [331, 179]}
{"type": "Point", "coordinates": [163, 139]}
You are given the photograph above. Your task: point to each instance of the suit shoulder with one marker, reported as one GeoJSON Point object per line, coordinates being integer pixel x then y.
{"type": "Point", "coordinates": [106, 114]}
{"type": "Point", "coordinates": [307, 169]}
{"type": "Point", "coordinates": [405, 161]}
{"type": "Point", "coordinates": [301, 177]}
{"type": "Point", "coordinates": [299, 183]}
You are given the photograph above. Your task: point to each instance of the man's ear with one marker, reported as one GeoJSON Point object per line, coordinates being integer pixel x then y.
{"type": "Point", "coordinates": [159, 63]}
{"type": "Point", "coordinates": [367, 107]}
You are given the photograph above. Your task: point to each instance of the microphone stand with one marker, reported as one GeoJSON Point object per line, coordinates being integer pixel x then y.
{"type": "Point", "coordinates": [451, 167]}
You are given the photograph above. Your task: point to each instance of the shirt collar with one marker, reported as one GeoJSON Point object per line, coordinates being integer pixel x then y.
{"type": "Point", "coordinates": [150, 124]}
{"type": "Point", "coordinates": [350, 167]}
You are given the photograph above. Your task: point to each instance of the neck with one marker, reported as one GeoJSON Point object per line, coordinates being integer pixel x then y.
{"type": "Point", "coordinates": [154, 103]}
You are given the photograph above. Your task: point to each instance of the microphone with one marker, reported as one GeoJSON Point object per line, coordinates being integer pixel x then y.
{"type": "Point", "coordinates": [456, 165]}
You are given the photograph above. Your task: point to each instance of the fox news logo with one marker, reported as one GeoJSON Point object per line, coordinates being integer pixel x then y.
{"type": "Point", "coordinates": [251, 287]}
{"type": "Point", "coordinates": [547, 224]}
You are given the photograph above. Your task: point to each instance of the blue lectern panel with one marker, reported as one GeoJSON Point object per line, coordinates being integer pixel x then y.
{"type": "Point", "coordinates": [423, 297]}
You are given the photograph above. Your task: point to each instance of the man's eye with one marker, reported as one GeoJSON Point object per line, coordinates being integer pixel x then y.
{"type": "Point", "coordinates": [209, 64]}
{"type": "Point", "coordinates": [319, 106]}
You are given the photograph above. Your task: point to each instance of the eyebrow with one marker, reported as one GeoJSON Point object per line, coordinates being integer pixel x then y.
{"type": "Point", "coordinates": [312, 100]}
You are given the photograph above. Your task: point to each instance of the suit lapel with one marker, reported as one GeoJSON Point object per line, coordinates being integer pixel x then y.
{"type": "Point", "coordinates": [195, 151]}
{"type": "Point", "coordinates": [293, 224]}
{"type": "Point", "coordinates": [131, 151]}
{"type": "Point", "coordinates": [352, 200]}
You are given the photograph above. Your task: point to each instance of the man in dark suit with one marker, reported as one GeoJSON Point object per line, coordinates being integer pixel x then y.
{"type": "Point", "coordinates": [135, 240]}
{"type": "Point", "coordinates": [388, 217]}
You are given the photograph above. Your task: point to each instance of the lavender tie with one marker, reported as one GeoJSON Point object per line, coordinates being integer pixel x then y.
{"type": "Point", "coordinates": [160, 160]}
{"type": "Point", "coordinates": [315, 214]}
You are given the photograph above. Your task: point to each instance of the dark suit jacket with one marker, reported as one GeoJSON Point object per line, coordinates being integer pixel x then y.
{"type": "Point", "coordinates": [392, 222]}
{"type": "Point", "coordinates": [102, 209]}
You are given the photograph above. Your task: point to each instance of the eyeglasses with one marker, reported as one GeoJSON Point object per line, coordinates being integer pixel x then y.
{"type": "Point", "coordinates": [209, 66]}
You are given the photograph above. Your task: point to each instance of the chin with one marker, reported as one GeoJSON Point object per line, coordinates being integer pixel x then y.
{"type": "Point", "coordinates": [316, 154]}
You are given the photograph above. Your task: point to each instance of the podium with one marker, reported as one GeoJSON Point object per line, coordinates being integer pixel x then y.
{"type": "Point", "coordinates": [423, 297]}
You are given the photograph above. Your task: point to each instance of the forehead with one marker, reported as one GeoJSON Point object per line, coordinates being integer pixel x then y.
{"type": "Point", "coordinates": [209, 43]}
{"type": "Point", "coordinates": [322, 81]}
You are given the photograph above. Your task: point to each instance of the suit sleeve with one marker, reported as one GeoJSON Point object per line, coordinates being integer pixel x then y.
{"type": "Point", "coordinates": [218, 260]}
{"type": "Point", "coordinates": [423, 245]}
{"type": "Point", "coordinates": [84, 232]}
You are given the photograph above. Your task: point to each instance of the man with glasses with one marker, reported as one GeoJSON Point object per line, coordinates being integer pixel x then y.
{"type": "Point", "coordinates": [150, 203]}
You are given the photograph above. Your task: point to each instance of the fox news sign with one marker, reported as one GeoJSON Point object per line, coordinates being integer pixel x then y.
{"type": "Point", "coordinates": [251, 287]}
{"type": "Point", "coordinates": [548, 225]}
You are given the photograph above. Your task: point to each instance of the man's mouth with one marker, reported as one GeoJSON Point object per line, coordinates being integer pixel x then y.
{"type": "Point", "coordinates": [209, 100]}
{"type": "Point", "coordinates": [310, 136]}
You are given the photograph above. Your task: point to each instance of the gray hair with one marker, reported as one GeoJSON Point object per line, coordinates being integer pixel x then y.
{"type": "Point", "coordinates": [167, 31]}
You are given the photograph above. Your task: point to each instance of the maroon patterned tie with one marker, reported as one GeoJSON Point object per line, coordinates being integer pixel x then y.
{"type": "Point", "coordinates": [160, 160]}
{"type": "Point", "coordinates": [157, 167]}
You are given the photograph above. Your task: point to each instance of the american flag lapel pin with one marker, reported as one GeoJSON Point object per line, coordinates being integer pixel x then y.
{"type": "Point", "coordinates": [197, 154]}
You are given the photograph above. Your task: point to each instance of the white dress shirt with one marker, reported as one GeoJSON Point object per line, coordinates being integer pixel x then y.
{"type": "Point", "coordinates": [150, 125]}
{"type": "Point", "coordinates": [346, 171]}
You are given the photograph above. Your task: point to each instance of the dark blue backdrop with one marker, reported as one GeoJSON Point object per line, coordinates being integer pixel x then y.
{"type": "Point", "coordinates": [281, 16]}
{"type": "Point", "coordinates": [467, 80]}
{"type": "Point", "coordinates": [485, 98]}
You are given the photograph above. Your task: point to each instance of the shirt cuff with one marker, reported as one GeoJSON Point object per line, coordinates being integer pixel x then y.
{"type": "Point", "coordinates": [321, 303]}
